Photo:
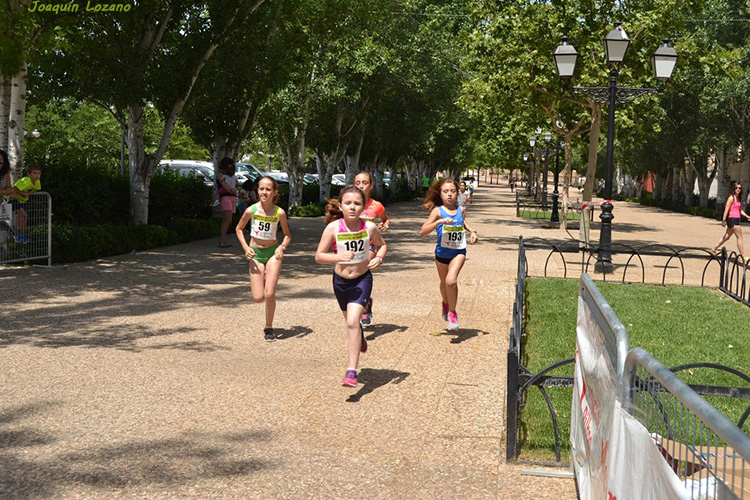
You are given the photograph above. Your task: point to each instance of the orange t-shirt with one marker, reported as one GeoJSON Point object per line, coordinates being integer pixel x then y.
{"type": "Point", "coordinates": [373, 209]}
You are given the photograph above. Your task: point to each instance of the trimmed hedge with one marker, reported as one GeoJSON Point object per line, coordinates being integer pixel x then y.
{"type": "Point", "coordinates": [80, 243]}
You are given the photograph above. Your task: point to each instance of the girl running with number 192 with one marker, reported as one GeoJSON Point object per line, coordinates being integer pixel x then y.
{"type": "Point", "coordinates": [447, 219]}
{"type": "Point", "coordinates": [350, 238]}
{"type": "Point", "coordinates": [264, 252]}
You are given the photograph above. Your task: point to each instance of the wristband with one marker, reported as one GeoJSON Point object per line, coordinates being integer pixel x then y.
{"type": "Point", "coordinates": [379, 258]}
{"type": "Point", "coordinates": [283, 247]}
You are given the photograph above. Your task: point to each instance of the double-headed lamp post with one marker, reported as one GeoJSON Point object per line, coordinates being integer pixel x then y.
{"type": "Point", "coordinates": [616, 44]}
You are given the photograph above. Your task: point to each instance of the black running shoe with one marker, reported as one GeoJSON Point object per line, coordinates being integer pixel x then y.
{"type": "Point", "coordinates": [268, 335]}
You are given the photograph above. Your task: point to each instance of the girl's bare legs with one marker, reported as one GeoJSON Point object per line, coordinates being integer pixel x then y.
{"type": "Point", "coordinates": [727, 235]}
{"type": "Point", "coordinates": [353, 337]}
{"type": "Point", "coordinates": [225, 227]}
{"type": "Point", "coordinates": [448, 274]}
{"type": "Point", "coordinates": [738, 233]}
{"type": "Point", "coordinates": [273, 269]}
{"type": "Point", "coordinates": [257, 275]}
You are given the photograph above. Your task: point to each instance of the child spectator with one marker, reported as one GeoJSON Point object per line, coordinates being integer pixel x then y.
{"type": "Point", "coordinates": [227, 193]}
{"type": "Point", "coordinates": [25, 187]}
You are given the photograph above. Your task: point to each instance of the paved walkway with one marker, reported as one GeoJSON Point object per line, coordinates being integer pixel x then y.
{"type": "Point", "coordinates": [146, 375]}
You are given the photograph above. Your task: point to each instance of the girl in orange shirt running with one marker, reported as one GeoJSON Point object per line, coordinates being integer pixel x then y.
{"type": "Point", "coordinates": [373, 209]}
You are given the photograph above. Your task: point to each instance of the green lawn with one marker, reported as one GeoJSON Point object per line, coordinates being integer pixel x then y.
{"type": "Point", "coordinates": [545, 214]}
{"type": "Point", "coordinates": [677, 325]}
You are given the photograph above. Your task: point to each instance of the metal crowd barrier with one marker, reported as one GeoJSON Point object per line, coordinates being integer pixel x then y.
{"type": "Point", "coordinates": [38, 230]}
{"type": "Point", "coordinates": [709, 453]}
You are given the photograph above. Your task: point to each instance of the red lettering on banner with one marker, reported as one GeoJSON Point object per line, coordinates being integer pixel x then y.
{"type": "Point", "coordinates": [583, 389]}
{"type": "Point", "coordinates": [587, 424]}
{"type": "Point", "coordinates": [610, 496]}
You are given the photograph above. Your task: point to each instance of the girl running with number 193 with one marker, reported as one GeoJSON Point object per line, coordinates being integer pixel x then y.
{"type": "Point", "coordinates": [350, 238]}
{"type": "Point", "coordinates": [447, 219]}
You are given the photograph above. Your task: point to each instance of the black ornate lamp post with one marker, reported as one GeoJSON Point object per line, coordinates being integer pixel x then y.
{"type": "Point", "coordinates": [532, 171]}
{"type": "Point", "coordinates": [616, 44]}
{"type": "Point", "coordinates": [547, 140]}
{"type": "Point", "coordinates": [555, 194]}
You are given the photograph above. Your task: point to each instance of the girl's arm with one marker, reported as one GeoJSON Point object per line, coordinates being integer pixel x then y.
{"type": "Point", "coordinates": [240, 230]}
{"type": "Point", "coordinates": [376, 239]}
{"type": "Point", "coordinates": [385, 222]}
{"type": "Point", "coordinates": [287, 234]}
{"type": "Point", "coordinates": [322, 255]}
{"type": "Point", "coordinates": [474, 235]}
{"type": "Point", "coordinates": [433, 221]}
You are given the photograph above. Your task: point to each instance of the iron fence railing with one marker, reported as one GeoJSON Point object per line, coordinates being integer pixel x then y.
{"type": "Point", "coordinates": [706, 450]}
{"type": "Point", "coordinates": [34, 241]}
{"type": "Point", "coordinates": [684, 265]}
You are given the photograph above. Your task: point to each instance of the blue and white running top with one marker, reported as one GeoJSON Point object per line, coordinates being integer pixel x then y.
{"type": "Point", "coordinates": [451, 239]}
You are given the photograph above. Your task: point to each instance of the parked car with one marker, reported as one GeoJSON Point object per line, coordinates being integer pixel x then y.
{"type": "Point", "coordinates": [203, 170]}
{"type": "Point", "coordinates": [248, 170]}
{"type": "Point", "coordinates": [311, 179]}
{"type": "Point", "coordinates": [281, 177]}
{"type": "Point", "coordinates": [338, 180]}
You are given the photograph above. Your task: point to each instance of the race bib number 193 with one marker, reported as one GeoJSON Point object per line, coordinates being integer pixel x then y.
{"type": "Point", "coordinates": [453, 237]}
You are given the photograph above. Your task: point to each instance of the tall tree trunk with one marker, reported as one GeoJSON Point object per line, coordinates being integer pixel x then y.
{"type": "Point", "coordinates": [722, 186]}
{"type": "Point", "coordinates": [596, 122]}
{"type": "Point", "coordinates": [296, 165]}
{"type": "Point", "coordinates": [745, 171]}
{"type": "Point", "coordinates": [141, 167]}
{"type": "Point", "coordinates": [5, 86]}
{"type": "Point", "coordinates": [689, 186]}
{"type": "Point", "coordinates": [676, 191]}
{"type": "Point", "coordinates": [17, 120]}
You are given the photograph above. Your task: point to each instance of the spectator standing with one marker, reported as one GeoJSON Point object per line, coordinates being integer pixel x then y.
{"type": "Point", "coordinates": [25, 187]}
{"type": "Point", "coordinates": [226, 184]}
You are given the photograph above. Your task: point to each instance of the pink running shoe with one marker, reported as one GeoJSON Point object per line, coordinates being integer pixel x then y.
{"type": "Point", "coordinates": [350, 379]}
{"type": "Point", "coordinates": [445, 311]}
{"type": "Point", "coordinates": [452, 321]}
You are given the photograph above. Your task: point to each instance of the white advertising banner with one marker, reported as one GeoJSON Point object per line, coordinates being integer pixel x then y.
{"type": "Point", "coordinates": [594, 392]}
{"type": "Point", "coordinates": [613, 454]}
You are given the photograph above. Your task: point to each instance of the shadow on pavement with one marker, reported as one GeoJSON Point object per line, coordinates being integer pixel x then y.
{"type": "Point", "coordinates": [295, 331]}
{"type": "Point", "coordinates": [374, 378]}
{"type": "Point", "coordinates": [465, 334]}
{"type": "Point", "coordinates": [180, 460]}
{"type": "Point", "coordinates": [382, 329]}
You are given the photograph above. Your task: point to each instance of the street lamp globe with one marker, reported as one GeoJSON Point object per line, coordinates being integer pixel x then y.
{"type": "Point", "coordinates": [532, 140]}
{"type": "Point", "coordinates": [526, 157]}
{"type": "Point", "coordinates": [547, 136]}
{"type": "Point", "coordinates": [616, 44]}
{"type": "Point", "coordinates": [664, 61]}
{"type": "Point", "coordinates": [565, 59]}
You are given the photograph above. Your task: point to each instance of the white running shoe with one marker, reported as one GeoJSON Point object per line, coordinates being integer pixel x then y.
{"type": "Point", "coordinates": [452, 321]}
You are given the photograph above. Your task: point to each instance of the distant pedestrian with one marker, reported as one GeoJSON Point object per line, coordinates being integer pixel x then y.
{"type": "Point", "coordinates": [447, 219]}
{"type": "Point", "coordinates": [425, 184]}
{"type": "Point", "coordinates": [463, 197]}
{"type": "Point", "coordinates": [263, 250]}
{"type": "Point", "coordinates": [350, 238]}
{"type": "Point", "coordinates": [373, 209]}
{"type": "Point", "coordinates": [731, 219]}
{"type": "Point", "coordinates": [226, 192]}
